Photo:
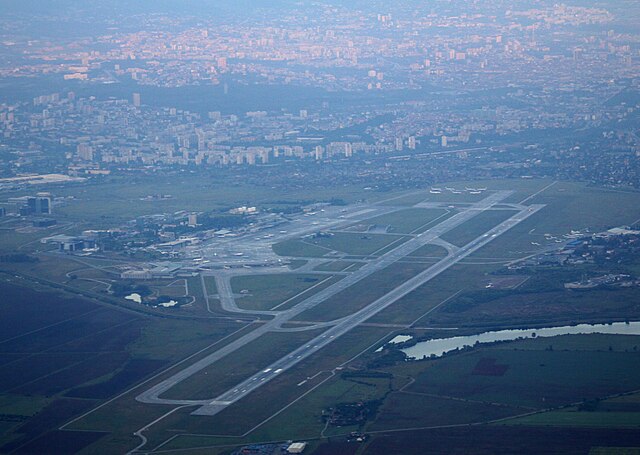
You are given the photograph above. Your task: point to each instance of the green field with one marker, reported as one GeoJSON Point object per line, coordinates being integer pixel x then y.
{"type": "Point", "coordinates": [182, 344]}
{"type": "Point", "coordinates": [299, 420]}
{"type": "Point", "coordinates": [273, 397]}
{"type": "Point", "coordinates": [339, 266]}
{"type": "Point", "coordinates": [362, 293]}
{"type": "Point", "coordinates": [575, 418]}
{"type": "Point", "coordinates": [354, 244]}
{"type": "Point", "coordinates": [71, 354]}
{"type": "Point", "coordinates": [446, 392]}
{"type": "Point", "coordinates": [476, 226]}
{"type": "Point", "coordinates": [583, 373]}
{"type": "Point", "coordinates": [541, 378]}
{"type": "Point", "coordinates": [234, 368]}
{"type": "Point", "coordinates": [409, 199]}
{"type": "Point", "coordinates": [413, 410]}
{"type": "Point", "coordinates": [569, 206]}
{"type": "Point", "coordinates": [418, 306]}
{"type": "Point", "coordinates": [277, 291]}
{"type": "Point", "coordinates": [429, 251]}
{"type": "Point", "coordinates": [174, 339]}
{"type": "Point", "coordinates": [408, 221]}
{"type": "Point", "coordinates": [491, 307]}
{"type": "Point", "coordinates": [21, 405]}
{"type": "Point", "coordinates": [299, 248]}
{"type": "Point", "coordinates": [614, 451]}
{"type": "Point", "coordinates": [444, 196]}
{"type": "Point", "coordinates": [414, 405]}
{"type": "Point", "coordinates": [12, 240]}
{"type": "Point", "coordinates": [104, 199]}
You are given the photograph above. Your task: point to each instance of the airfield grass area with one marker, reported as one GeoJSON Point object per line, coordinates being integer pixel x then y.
{"type": "Point", "coordinates": [419, 306]}
{"type": "Point", "coordinates": [412, 199]}
{"type": "Point", "coordinates": [194, 287]}
{"type": "Point", "coordinates": [299, 248]}
{"type": "Point", "coordinates": [104, 199]}
{"type": "Point", "coordinates": [60, 270]}
{"type": "Point", "coordinates": [429, 251]}
{"type": "Point", "coordinates": [277, 291]}
{"type": "Point", "coordinates": [68, 355]}
{"type": "Point", "coordinates": [476, 226]}
{"type": "Point", "coordinates": [209, 283]}
{"type": "Point", "coordinates": [118, 415]}
{"type": "Point", "coordinates": [339, 266]}
{"type": "Point", "coordinates": [408, 221]}
{"type": "Point", "coordinates": [362, 293]}
{"type": "Point", "coordinates": [354, 244]}
{"type": "Point", "coordinates": [12, 240]}
{"type": "Point", "coordinates": [569, 206]}
{"type": "Point", "coordinates": [491, 307]}
{"type": "Point", "coordinates": [235, 368]}
{"type": "Point", "coordinates": [273, 397]}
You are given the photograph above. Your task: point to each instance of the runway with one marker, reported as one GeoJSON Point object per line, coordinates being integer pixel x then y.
{"type": "Point", "coordinates": [214, 405]}
{"type": "Point", "coordinates": [283, 364]}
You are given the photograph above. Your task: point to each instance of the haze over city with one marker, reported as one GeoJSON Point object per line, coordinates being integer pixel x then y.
{"type": "Point", "coordinates": [320, 227]}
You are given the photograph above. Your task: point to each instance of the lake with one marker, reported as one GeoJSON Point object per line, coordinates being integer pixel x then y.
{"type": "Point", "coordinates": [438, 347]}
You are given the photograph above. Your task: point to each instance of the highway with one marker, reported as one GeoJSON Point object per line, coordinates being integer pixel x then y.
{"type": "Point", "coordinates": [212, 406]}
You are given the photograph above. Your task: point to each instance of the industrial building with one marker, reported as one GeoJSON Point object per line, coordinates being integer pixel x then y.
{"type": "Point", "coordinates": [296, 447]}
{"type": "Point", "coordinates": [68, 243]}
{"type": "Point", "coordinates": [40, 204]}
{"type": "Point", "coordinates": [44, 222]}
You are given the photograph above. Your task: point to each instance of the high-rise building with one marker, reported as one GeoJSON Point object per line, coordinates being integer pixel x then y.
{"type": "Point", "coordinates": [136, 99]}
{"type": "Point", "coordinates": [40, 204]}
{"type": "Point", "coordinates": [411, 143]}
{"type": "Point", "coordinates": [348, 150]}
{"type": "Point", "coordinates": [193, 220]}
{"type": "Point", "coordinates": [85, 152]}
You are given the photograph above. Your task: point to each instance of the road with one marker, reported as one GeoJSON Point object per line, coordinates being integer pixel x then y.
{"type": "Point", "coordinates": [342, 326]}
{"type": "Point", "coordinates": [227, 297]}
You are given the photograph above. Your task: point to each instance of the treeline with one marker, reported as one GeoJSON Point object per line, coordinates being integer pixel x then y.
{"type": "Point", "coordinates": [18, 258]}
